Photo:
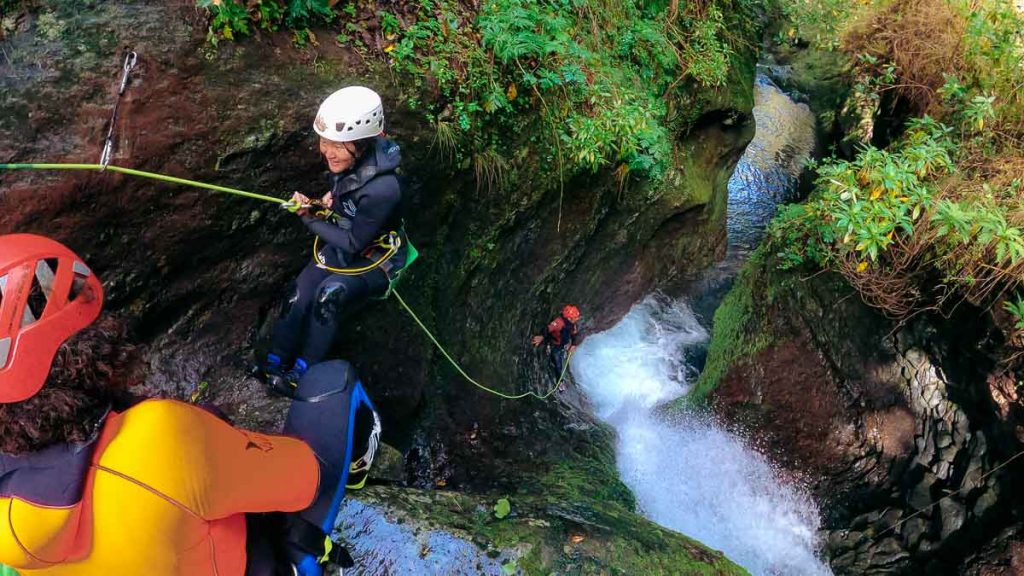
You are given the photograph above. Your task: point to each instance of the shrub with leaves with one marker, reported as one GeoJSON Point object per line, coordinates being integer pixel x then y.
{"type": "Point", "coordinates": [587, 80]}
{"type": "Point", "coordinates": [231, 18]}
{"type": "Point", "coordinates": [596, 71]}
{"type": "Point", "coordinates": [948, 57]}
{"type": "Point", "coordinates": [937, 214]}
{"type": "Point", "coordinates": [820, 22]}
{"type": "Point", "coordinates": [889, 219]}
{"type": "Point", "coordinates": [860, 205]}
{"type": "Point", "coordinates": [1016, 308]}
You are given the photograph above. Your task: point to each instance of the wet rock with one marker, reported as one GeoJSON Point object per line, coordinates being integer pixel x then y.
{"type": "Point", "coordinates": [408, 531]}
{"type": "Point", "coordinates": [914, 530]}
{"type": "Point", "coordinates": [887, 553]}
{"type": "Point", "coordinates": [985, 502]}
{"type": "Point", "coordinates": [944, 440]}
{"type": "Point", "coordinates": [381, 546]}
{"type": "Point", "coordinates": [944, 467]}
{"type": "Point", "coordinates": [929, 369]}
{"type": "Point", "coordinates": [840, 542]}
{"type": "Point", "coordinates": [1003, 555]}
{"type": "Point", "coordinates": [951, 516]}
{"type": "Point", "coordinates": [388, 465]}
{"type": "Point", "coordinates": [920, 496]}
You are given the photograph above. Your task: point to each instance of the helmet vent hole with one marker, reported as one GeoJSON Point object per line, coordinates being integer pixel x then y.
{"type": "Point", "coordinates": [42, 290]}
{"type": "Point", "coordinates": [77, 287]}
{"type": "Point", "coordinates": [78, 283]}
{"type": "Point", "coordinates": [3, 286]}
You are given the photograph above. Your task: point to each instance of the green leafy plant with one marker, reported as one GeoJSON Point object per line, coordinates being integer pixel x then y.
{"type": "Point", "coordinates": [595, 73]}
{"type": "Point", "coordinates": [952, 90]}
{"type": "Point", "coordinates": [234, 18]}
{"type": "Point", "coordinates": [1016, 308]}
{"type": "Point", "coordinates": [937, 213]}
{"type": "Point", "coordinates": [862, 204]}
{"type": "Point", "coordinates": [978, 110]}
{"type": "Point", "coordinates": [821, 22]}
{"type": "Point", "coordinates": [389, 24]}
{"type": "Point", "coordinates": [304, 37]}
{"type": "Point", "coordinates": [229, 19]}
{"type": "Point", "coordinates": [590, 77]}
{"type": "Point", "coordinates": [502, 508]}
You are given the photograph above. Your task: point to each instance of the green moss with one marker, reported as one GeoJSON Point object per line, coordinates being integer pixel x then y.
{"type": "Point", "coordinates": [736, 332]}
{"type": "Point", "coordinates": [545, 534]}
{"type": "Point", "coordinates": [742, 70]}
{"type": "Point", "coordinates": [573, 517]}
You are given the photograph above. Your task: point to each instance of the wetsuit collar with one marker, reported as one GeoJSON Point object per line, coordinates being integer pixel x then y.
{"type": "Point", "coordinates": [54, 476]}
{"type": "Point", "coordinates": [383, 156]}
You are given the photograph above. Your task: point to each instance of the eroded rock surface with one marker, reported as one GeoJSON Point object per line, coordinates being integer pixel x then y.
{"type": "Point", "coordinates": [901, 431]}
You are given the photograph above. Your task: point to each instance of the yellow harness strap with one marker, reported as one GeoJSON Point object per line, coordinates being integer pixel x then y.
{"type": "Point", "coordinates": [390, 241]}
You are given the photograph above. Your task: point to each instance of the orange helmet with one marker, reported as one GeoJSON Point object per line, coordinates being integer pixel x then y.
{"type": "Point", "coordinates": [571, 313]}
{"type": "Point", "coordinates": [47, 294]}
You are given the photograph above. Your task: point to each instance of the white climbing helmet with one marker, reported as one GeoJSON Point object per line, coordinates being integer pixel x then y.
{"type": "Point", "coordinates": [352, 113]}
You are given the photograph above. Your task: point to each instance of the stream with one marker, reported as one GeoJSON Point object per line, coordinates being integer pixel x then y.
{"type": "Point", "coordinates": [687, 472]}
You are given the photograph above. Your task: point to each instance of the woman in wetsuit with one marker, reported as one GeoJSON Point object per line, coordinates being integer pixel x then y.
{"type": "Point", "coordinates": [359, 243]}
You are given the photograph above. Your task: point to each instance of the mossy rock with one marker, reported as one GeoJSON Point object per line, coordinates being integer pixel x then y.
{"type": "Point", "coordinates": [543, 536]}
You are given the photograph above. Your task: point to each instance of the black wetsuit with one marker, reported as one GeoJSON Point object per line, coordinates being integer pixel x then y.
{"type": "Point", "coordinates": [561, 333]}
{"type": "Point", "coordinates": [333, 415]}
{"type": "Point", "coordinates": [365, 206]}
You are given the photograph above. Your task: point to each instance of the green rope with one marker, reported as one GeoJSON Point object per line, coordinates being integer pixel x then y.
{"type": "Point", "coordinates": [470, 379]}
{"type": "Point", "coordinates": [140, 173]}
{"type": "Point", "coordinates": [243, 193]}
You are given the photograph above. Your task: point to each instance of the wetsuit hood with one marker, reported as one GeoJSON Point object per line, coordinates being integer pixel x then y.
{"type": "Point", "coordinates": [382, 157]}
{"type": "Point", "coordinates": [40, 503]}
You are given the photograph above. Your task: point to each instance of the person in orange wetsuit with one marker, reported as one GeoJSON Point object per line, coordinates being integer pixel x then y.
{"type": "Point", "coordinates": [562, 337]}
{"type": "Point", "coordinates": [93, 482]}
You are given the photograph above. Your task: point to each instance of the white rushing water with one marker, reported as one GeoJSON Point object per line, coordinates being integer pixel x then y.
{"type": "Point", "coordinates": [689, 474]}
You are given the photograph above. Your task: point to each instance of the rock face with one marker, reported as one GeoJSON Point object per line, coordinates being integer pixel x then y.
{"type": "Point", "coordinates": [198, 275]}
{"type": "Point", "coordinates": [905, 433]}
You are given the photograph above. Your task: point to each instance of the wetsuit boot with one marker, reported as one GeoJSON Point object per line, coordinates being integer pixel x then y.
{"type": "Point", "coordinates": [272, 366]}
{"type": "Point", "coordinates": [285, 382]}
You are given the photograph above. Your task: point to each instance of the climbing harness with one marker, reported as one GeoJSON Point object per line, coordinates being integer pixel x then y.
{"type": "Point", "coordinates": [108, 145]}
{"type": "Point", "coordinates": [391, 242]}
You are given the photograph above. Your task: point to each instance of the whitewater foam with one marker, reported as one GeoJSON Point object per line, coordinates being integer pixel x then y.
{"type": "Point", "coordinates": [689, 474]}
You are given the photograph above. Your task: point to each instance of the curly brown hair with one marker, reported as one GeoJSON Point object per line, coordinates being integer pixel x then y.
{"type": "Point", "coordinates": [90, 373]}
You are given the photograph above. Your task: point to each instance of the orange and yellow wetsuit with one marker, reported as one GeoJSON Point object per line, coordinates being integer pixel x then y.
{"type": "Point", "coordinates": [162, 491]}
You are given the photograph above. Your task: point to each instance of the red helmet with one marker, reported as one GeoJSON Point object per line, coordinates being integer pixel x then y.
{"type": "Point", "coordinates": [571, 313]}
{"type": "Point", "coordinates": [47, 294]}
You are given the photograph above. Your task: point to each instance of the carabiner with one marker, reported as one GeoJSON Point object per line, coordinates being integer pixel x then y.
{"type": "Point", "coordinates": [130, 60]}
